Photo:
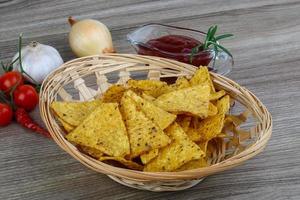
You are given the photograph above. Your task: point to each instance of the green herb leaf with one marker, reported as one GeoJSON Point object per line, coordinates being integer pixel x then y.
{"type": "Point", "coordinates": [221, 47]}
{"type": "Point", "coordinates": [211, 40]}
{"type": "Point", "coordinates": [220, 37]}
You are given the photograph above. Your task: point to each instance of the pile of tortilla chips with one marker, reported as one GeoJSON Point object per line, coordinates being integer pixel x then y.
{"type": "Point", "coordinates": [150, 125]}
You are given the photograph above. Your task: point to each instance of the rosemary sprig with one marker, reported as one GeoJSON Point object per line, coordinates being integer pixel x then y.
{"type": "Point", "coordinates": [211, 40]}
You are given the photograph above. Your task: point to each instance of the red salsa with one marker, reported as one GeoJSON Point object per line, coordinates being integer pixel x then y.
{"type": "Point", "coordinates": [177, 47]}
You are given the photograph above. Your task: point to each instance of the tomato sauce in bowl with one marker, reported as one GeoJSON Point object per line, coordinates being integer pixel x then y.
{"type": "Point", "coordinates": [177, 43]}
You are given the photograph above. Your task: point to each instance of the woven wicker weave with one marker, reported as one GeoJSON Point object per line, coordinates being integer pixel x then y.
{"type": "Point", "coordinates": [69, 83]}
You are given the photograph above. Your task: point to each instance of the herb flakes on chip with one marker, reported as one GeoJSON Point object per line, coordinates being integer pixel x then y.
{"type": "Point", "coordinates": [193, 101]}
{"type": "Point", "coordinates": [74, 113]}
{"type": "Point", "coordinates": [179, 152]}
{"type": "Point", "coordinates": [103, 130]}
{"type": "Point", "coordinates": [144, 134]}
{"type": "Point", "coordinates": [148, 125]}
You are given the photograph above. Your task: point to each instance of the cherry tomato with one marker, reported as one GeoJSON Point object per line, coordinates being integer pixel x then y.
{"type": "Point", "coordinates": [10, 80]}
{"type": "Point", "coordinates": [25, 96]}
{"type": "Point", "coordinates": [6, 114]}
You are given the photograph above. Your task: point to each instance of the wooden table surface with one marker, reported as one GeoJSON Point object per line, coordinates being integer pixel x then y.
{"type": "Point", "coordinates": [266, 48]}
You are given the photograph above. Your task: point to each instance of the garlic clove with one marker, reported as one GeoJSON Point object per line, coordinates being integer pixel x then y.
{"type": "Point", "coordinates": [38, 60]}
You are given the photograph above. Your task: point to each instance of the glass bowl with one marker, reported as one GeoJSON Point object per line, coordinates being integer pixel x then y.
{"type": "Point", "coordinates": [219, 62]}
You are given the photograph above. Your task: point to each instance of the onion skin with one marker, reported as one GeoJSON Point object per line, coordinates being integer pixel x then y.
{"type": "Point", "coordinates": [89, 37]}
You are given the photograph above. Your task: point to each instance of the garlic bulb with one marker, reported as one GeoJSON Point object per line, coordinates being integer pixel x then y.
{"type": "Point", "coordinates": [89, 37]}
{"type": "Point", "coordinates": [38, 60]}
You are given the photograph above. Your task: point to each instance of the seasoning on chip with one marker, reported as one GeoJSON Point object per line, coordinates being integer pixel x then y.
{"type": "Point", "coordinates": [103, 130]}
{"type": "Point", "coordinates": [179, 152]}
{"type": "Point", "coordinates": [192, 100]}
{"type": "Point", "coordinates": [147, 157]}
{"type": "Point", "coordinates": [160, 117]}
{"type": "Point", "coordinates": [74, 113]}
{"type": "Point", "coordinates": [150, 87]}
{"type": "Point", "coordinates": [113, 94]}
{"type": "Point", "coordinates": [144, 134]}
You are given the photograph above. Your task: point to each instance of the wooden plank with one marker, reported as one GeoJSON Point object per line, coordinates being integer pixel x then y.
{"type": "Point", "coordinates": [266, 49]}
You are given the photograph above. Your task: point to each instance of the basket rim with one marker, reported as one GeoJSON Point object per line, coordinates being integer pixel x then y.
{"type": "Point", "coordinates": [158, 176]}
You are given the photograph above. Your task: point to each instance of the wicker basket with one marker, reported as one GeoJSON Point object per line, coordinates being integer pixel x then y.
{"type": "Point", "coordinates": [70, 83]}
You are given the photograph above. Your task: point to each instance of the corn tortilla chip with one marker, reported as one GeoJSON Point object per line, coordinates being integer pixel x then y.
{"type": "Point", "coordinates": [223, 104]}
{"type": "Point", "coordinates": [74, 113]}
{"type": "Point", "coordinates": [147, 157]}
{"type": "Point", "coordinates": [202, 77]}
{"type": "Point", "coordinates": [237, 120]}
{"type": "Point", "coordinates": [160, 117]}
{"type": "Point", "coordinates": [181, 83]}
{"type": "Point", "coordinates": [179, 152]}
{"type": "Point", "coordinates": [208, 128]}
{"type": "Point", "coordinates": [68, 128]}
{"type": "Point", "coordinates": [95, 153]}
{"type": "Point", "coordinates": [147, 97]}
{"type": "Point", "coordinates": [150, 87]}
{"type": "Point", "coordinates": [203, 145]}
{"type": "Point", "coordinates": [212, 110]}
{"type": "Point", "coordinates": [127, 163]}
{"type": "Point", "coordinates": [193, 164]}
{"type": "Point", "coordinates": [192, 100]}
{"type": "Point", "coordinates": [113, 94]}
{"type": "Point", "coordinates": [184, 121]}
{"type": "Point", "coordinates": [103, 130]}
{"type": "Point", "coordinates": [144, 134]}
{"type": "Point", "coordinates": [217, 95]}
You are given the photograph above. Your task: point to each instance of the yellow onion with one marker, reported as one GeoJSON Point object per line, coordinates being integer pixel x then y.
{"type": "Point", "coordinates": [89, 37]}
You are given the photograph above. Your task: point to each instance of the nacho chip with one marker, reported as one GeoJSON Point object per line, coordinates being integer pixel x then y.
{"type": "Point", "coordinates": [202, 77]}
{"type": "Point", "coordinates": [184, 121]}
{"type": "Point", "coordinates": [127, 163]}
{"type": "Point", "coordinates": [95, 153]}
{"type": "Point", "coordinates": [113, 94]}
{"type": "Point", "coordinates": [208, 128]}
{"type": "Point", "coordinates": [179, 152]}
{"type": "Point", "coordinates": [217, 95]}
{"type": "Point", "coordinates": [160, 117]}
{"type": "Point", "coordinates": [150, 87]}
{"type": "Point", "coordinates": [103, 130]}
{"type": "Point", "coordinates": [68, 128]}
{"type": "Point", "coordinates": [147, 97]}
{"type": "Point", "coordinates": [192, 100]}
{"type": "Point", "coordinates": [237, 120]}
{"type": "Point", "coordinates": [144, 134]}
{"type": "Point", "coordinates": [212, 110]}
{"type": "Point", "coordinates": [181, 83]}
{"type": "Point", "coordinates": [147, 157]}
{"type": "Point", "coordinates": [203, 145]}
{"type": "Point", "coordinates": [223, 104]}
{"type": "Point", "coordinates": [193, 164]}
{"type": "Point", "coordinates": [74, 113]}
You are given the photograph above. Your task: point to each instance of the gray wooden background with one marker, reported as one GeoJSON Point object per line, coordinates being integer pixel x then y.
{"type": "Point", "coordinates": [267, 61]}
